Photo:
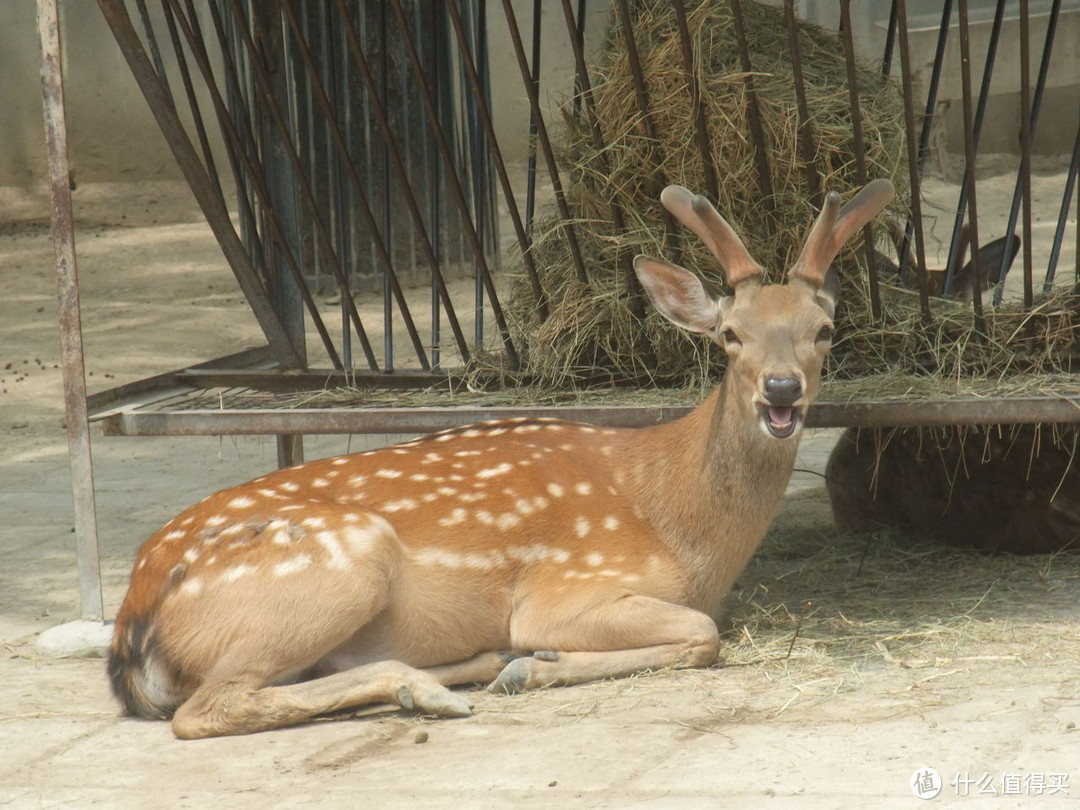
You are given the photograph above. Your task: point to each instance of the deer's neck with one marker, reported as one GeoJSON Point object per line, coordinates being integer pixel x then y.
{"type": "Point", "coordinates": [711, 484]}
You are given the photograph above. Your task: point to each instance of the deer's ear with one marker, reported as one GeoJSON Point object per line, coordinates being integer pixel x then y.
{"type": "Point", "coordinates": [678, 295]}
{"type": "Point", "coordinates": [829, 293]}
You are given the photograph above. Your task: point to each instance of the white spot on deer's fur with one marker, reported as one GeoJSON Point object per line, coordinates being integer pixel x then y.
{"type": "Point", "coordinates": [431, 496]}
{"type": "Point", "coordinates": [175, 534]}
{"type": "Point", "coordinates": [491, 472]}
{"type": "Point", "coordinates": [191, 555]}
{"type": "Point", "coordinates": [537, 553]}
{"type": "Point", "coordinates": [357, 481]}
{"type": "Point", "coordinates": [554, 427]}
{"type": "Point", "coordinates": [320, 482]}
{"type": "Point", "coordinates": [630, 579]}
{"type": "Point", "coordinates": [524, 506]}
{"type": "Point", "coordinates": [447, 491]}
{"type": "Point", "coordinates": [398, 451]}
{"type": "Point", "coordinates": [567, 447]}
{"type": "Point", "coordinates": [191, 587]}
{"type": "Point", "coordinates": [237, 572]}
{"type": "Point", "coordinates": [457, 479]}
{"type": "Point", "coordinates": [587, 429]}
{"type": "Point", "coordinates": [454, 518]}
{"type": "Point", "coordinates": [611, 523]}
{"type": "Point", "coordinates": [292, 507]}
{"type": "Point", "coordinates": [333, 474]}
{"type": "Point", "coordinates": [485, 518]}
{"type": "Point", "coordinates": [584, 488]}
{"type": "Point", "coordinates": [472, 497]}
{"type": "Point", "coordinates": [527, 429]}
{"type": "Point", "coordinates": [431, 458]}
{"type": "Point", "coordinates": [388, 473]}
{"type": "Point", "coordinates": [400, 505]}
{"type": "Point", "coordinates": [242, 502]}
{"type": "Point", "coordinates": [293, 565]}
{"type": "Point", "coordinates": [608, 572]}
{"type": "Point", "coordinates": [419, 477]}
{"type": "Point", "coordinates": [582, 527]}
{"type": "Point", "coordinates": [141, 565]}
{"type": "Point", "coordinates": [471, 433]}
{"type": "Point", "coordinates": [467, 453]}
{"type": "Point", "coordinates": [594, 559]}
{"type": "Point", "coordinates": [507, 521]}
{"type": "Point", "coordinates": [215, 520]}
{"type": "Point", "coordinates": [555, 490]}
{"type": "Point", "coordinates": [289, 486]}
{"type": "Point", "coordinates": [329, 541]}
{"type": "Point", "coordinates": [337, 462]}
{"type": "Point", "coordinates": [269, 493]}
{"type": "Point", "coordinates": [499, 431]}
{"type": "Point", "coordinates": [313, 523]}
{"type": "Point", "coordinates": [444, 438]}
{"type": "Point", "coordinates": [187, 521]}
{"type": "Point", "coordinates": [281, 535]}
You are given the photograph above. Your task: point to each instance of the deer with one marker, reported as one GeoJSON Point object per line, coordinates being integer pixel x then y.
{"type": "Point", "coordinates": [521, 553]}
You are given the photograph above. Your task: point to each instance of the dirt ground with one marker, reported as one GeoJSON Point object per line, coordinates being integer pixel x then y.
{"type": "Point", "coordinates": [910, 656]}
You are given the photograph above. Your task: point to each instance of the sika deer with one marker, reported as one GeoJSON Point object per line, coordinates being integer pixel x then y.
{"type": "Point", "coordinates": [526, 552]}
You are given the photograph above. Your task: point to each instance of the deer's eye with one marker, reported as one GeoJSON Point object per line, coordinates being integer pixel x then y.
{"type": "Point", "coordinates": [730, 338]}
{"type": "Point", "coordinates": [824, 334]}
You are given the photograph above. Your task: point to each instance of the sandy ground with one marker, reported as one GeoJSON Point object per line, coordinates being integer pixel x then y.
{"type": "Point", "coordinates": [812, 728]}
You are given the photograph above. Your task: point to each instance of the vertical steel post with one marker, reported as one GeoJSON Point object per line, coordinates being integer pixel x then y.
{"type": "Point", "coordinates": [71, 348]}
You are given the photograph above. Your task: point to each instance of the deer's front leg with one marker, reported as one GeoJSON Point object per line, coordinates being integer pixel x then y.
{"type": "Point", "coordinates": [613, 639]}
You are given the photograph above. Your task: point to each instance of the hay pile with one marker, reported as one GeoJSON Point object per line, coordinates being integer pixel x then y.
{"type": "Point", "coordinates": [601, 332]}
{"type": "Point", "coordinates": [595, 330]}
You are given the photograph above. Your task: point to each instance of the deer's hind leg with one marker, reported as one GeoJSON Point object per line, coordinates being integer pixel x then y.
{"type": "Point", "coordinates": [600, 637]}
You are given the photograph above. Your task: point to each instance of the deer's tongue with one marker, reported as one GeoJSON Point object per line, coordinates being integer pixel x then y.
{"type": "Point", "coordinates": [780, 417]}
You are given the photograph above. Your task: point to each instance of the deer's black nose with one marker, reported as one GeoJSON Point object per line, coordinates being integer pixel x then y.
{"type": "Point", "coordinates": [782, 392]}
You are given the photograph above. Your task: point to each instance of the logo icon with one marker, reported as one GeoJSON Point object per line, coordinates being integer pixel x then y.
{"type": "Point", "coordinates": [926, 783]}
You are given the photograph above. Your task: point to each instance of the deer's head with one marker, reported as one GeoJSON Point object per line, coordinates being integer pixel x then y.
{"type": "Point", "coordinates": [776, 336]}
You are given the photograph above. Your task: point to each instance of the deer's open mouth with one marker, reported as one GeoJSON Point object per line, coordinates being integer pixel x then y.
{"type": "Point", "coordinates": [780, 421]}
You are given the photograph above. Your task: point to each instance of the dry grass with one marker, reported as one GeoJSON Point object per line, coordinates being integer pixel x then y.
{"type": "Point", "coordinates": [887, 598]}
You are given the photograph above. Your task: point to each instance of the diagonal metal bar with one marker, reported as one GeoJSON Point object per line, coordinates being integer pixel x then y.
{"type": "Point", "coordinates": [262, 80]}
{"type": "Point", "coordinates": [390, 143]}
{"type": "Point", "coordinates": [806, 137]}
{"type": "Point", "coordinates": [255, 173]}
{"type": "Point", "coordinates": [969, 168]}
{"type": "Point", "coordinates": [1025, 153]}
{"type": "Point", "coordinates": [217, 215]}
{"type": "Point", "coordinates": [566, 223]}
{"type": "Point", "coordinates": [916, 221]}
{"type": "Point", "coordinates": [585, 93]}
{"type": "Point", "coordinates": [496, 154]}
{"type": "Point", "coordinates": [1036, 105]}
{"type": "Point", "coordinates": [953, 262]}
{"type": "Point", "coordinates": [641, 95]}
{"type": "Point", "coordinates": [701, 127]}
{"type": "Point", "coordinates": [860, 151]}
{"type": "Point", "coordinates": [1063, 216]}
{"type": "Point", "coordinates": [753, 114]}
{"type": "Point", "coordinates": [455, 185]}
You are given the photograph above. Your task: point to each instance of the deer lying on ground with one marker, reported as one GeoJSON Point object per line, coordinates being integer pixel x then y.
{"type": "Point", "coordinates": [524, 552]}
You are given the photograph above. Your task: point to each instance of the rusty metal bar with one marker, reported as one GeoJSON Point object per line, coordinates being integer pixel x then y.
{"type": "Point", "coordinates": [534, 81]}
{"type": "Point", "coordinates": [823, 414]}
{"type": "Point", "coordinates": [701, 127]}
{"type": "Point", "coordinates": [914, 179]}
{"type": "Point", "coordinates": [1025, 152]}
{"type": "Point", "coordinates": [1063, 217]}
{"type": "Point", "coordinates": [455, 185]}
{"type": "Point", "coordinates": [806, 137]}
{"type": "Point", "coordinates": [757, 130]}
{"type": "Point", "coordinates": [954, 260]}
{"type": "Point", "coordinates": [496, 153]}
{"type": "Point", "coordinates": [860, 153]}
{"type": "Point", "coordinates": [890, 41]}
{"type": "Point", "coordinates": [217, 215]}
{"type": "Point", "coordinates": [1036, 104]}
{"type": "Point", "coordinates": [969, 169]}
{"type": "Point", "coordinates": [641, 95]}
{"type": "Point", "coordinates": [566, 223]}
{"type": "Point", "coordinates": [254, 170]}
{"type": "Point", "coordinates": [262, 80]}
{"type": "Point", "coordinates": [585, 93]}
{"type": "Point", "coordinates": [71, 347]}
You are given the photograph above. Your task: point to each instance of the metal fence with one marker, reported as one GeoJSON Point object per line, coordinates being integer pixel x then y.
{"type": "Point", "coordinates": [361, 140]}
